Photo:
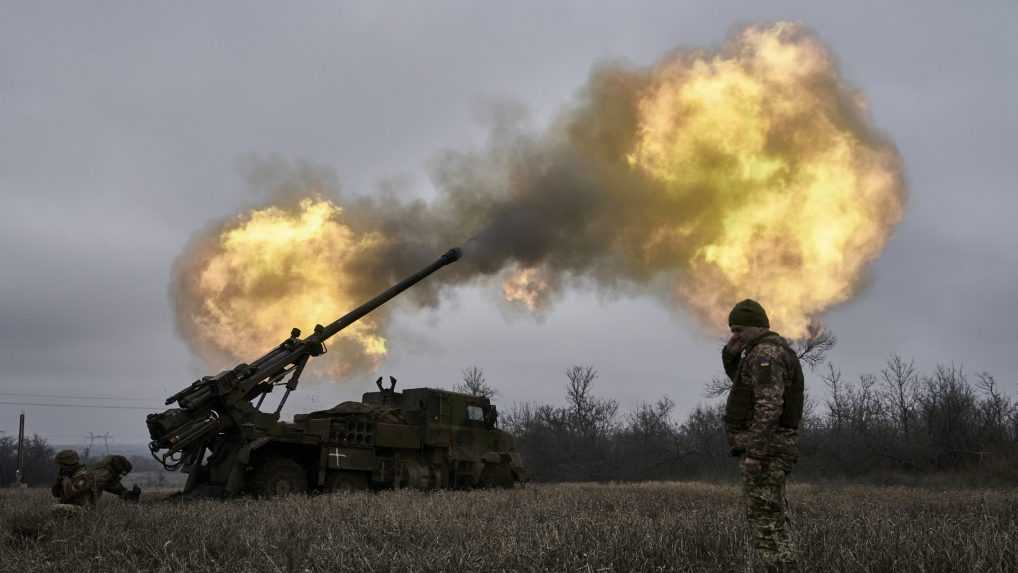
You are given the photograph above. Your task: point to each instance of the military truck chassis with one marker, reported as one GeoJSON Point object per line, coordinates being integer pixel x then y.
{"type": "Point", "coordinates": [421, 438]}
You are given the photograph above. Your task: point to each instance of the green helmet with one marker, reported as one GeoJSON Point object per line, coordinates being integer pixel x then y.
{"type": "Point", "coordinates": [68, 458]}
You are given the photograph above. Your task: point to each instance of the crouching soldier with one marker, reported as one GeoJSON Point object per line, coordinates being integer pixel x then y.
{"type": "Point", "coordinates": [78, 485]}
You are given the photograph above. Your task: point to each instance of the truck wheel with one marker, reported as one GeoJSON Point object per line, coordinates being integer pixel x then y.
{"type": "Point", "coordinates": [278, 476]}
{"type": "Point", "coordinates": [337, 481]}
{"type": "Point", "coordinates": [497, 475]}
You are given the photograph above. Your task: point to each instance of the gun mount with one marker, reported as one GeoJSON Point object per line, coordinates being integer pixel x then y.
{"type": "Point", "coordinates": [215, 416]}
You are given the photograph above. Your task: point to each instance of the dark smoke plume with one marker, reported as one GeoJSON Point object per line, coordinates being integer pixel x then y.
{"type": "Point", "coordinates": [751, 170]}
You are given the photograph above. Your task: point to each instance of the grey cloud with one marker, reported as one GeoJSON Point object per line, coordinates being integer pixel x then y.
{"type": "Point", "coordinates": [122, 129]}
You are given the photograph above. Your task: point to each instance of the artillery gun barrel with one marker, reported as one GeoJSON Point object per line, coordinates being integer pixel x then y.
{"type": "Point", "coordinates": [214, 403]}
{"type": "Point", "coordinates": [451, 256]}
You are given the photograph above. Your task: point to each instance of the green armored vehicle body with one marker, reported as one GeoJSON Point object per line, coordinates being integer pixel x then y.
{"type": "Point", "coordinates": [219, 435]}
{"type": "Point", "coordinates": [421, 438]}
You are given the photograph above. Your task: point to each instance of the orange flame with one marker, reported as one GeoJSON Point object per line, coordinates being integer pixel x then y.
{"type": "Point", "coordinates": [799, 204]}
{"type": "Point", "coordinates": [751, 171]}
{"type": "Point", "coordinates": [528, 287]}
{"type": "Point", "coordinates": [275, 268]}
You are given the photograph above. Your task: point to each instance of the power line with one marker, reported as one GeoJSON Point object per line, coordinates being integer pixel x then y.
{"type": "Point", "coordinates": [55, 405]}
{"type": "Point", "coordinates": [71, 397]}
{"type": "Point", "coordinates": [59, 434]}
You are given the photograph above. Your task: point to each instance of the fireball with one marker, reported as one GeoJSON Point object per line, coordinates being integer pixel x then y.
{"type": "Point", "coordinates": [794, 200]}
{"type": "Point", "coordinates": [749, 171]}
{"type": "Point", "coordinates": [528, 287]}
{"type": "Point", "coordinates": [276, 268]}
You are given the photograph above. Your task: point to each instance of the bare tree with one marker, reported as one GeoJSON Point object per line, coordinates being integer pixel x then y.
{"type": "Point", "coordinates": [836, 407]}
{"type": "Point", "coordinates": [813, 349]}
{"type": "Point", "coordinates": [652, 420]}
{"type": "Point", "coordinates": [578, 390]}
{"type": "Point", "coordinates": [475, 384]}
{"type": "Point", "coordinates": [900, 388]}
{"type": "Point", "coordinates": [717, 387]}
{"type": "Point", "coordinates": [519, 420]}
{"type": "Point", "coordinates": [949, 408]}
{"type": "Point", "coordinates": [995, 409]}
{"type": "Point", "coordinates": [810, 419]}
{"type": "Point", "coordinates": [590, 416]}
{"type": "Point", "coordinates": [865, 406]}
{"type": "Point", "coordinates": [703, 432]}
{"type": "Point", "coordinates": [856, 429]}
{"type": "Point", "coordinates": [1012, 424]}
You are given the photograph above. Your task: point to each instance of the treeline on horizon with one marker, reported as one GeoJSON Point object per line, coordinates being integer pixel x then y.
{"type": "Point", "coordinates": [899, 425]}
{"type": "Point", "coordinates": [40, 469]}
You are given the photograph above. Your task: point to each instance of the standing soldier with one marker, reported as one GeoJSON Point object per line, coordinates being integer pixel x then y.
{"type": "Point", "coordinates": [78, 485]}
{"type": "Point", "coordinates": [762, 421]}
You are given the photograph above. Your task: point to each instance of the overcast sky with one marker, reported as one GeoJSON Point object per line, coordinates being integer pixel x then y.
{"type": "Point", "coordinates": [123, 127]}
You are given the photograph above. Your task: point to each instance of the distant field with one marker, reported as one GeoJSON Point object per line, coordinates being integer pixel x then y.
{"type": "Point", "coordinates": [571, 527]}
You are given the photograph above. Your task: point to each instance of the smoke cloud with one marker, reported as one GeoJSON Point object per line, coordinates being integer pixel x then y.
{"type": "Point", "coordinates": [751, 170]}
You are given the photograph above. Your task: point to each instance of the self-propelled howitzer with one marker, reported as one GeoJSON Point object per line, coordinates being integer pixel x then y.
{"type": "Point", "coordinates": [215, 414]}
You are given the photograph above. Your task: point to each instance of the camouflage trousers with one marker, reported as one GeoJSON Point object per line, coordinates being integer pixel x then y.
{"type": "Point", "coordinates": [764, 490]}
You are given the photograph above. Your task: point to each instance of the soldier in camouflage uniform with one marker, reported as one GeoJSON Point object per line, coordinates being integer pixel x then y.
{"type": "Point", "coordinates": [762, 420]}
{"type": "Point", "coordinates": [78, 485]}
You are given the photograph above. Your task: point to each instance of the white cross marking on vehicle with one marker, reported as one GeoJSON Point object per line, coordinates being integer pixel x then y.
{"type": "Point", "coordinates": [336, 455]}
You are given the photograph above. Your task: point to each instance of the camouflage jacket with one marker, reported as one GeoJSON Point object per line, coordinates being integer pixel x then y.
{"type": "Point", "coordinates": [85, 485]}
{"type": "Point", "coordinates": [75, 487]}
{"type": "Point", "coordinates": [765, 403]}
{"type": "Point", "coordinates": [107, 479]}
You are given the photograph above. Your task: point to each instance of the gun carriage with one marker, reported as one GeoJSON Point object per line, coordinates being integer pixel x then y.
{"type": "Point", "coordinates": [423, 437]}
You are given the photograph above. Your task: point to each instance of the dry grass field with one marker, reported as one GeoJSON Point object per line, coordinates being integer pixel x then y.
{"type": "Point", "coordinates": [570, 527]}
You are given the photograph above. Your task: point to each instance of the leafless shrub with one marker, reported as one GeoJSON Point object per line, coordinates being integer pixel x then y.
{"type": "Point", "coordinates": [813, 348]}
{"type": "Point", "coordinates": [652, 420]}
{"type": "Point", "coordinates": [836, 405]}
{"type": "Point", "coordinates": [995, 411]}
{"type": "Point", "coordinates": [717, 387]}
{"type": "Point", "coordinates": [901, 391]}
{"type": "Point", "coordinates": [589, 416]}
{"type": "Point", "coordinates": [475, 384]}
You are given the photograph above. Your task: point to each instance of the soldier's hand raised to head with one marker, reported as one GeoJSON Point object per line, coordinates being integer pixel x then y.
{"type": "Point", "coordinates": [734, 345]}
